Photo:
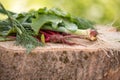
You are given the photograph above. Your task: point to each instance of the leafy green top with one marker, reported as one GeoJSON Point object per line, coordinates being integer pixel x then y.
{"type": "Point", "coordinates": [28, 24]}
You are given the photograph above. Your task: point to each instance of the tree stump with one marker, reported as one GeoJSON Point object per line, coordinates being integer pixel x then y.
{"type": "Point", "coordinates": [98, 60]}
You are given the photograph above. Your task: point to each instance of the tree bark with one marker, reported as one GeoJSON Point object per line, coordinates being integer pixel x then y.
{"type": "Point", "coordinates": [95, 61]}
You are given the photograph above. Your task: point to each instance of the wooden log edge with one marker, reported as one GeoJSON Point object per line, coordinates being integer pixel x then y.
{"type": "Point", "coordinates": [99, 60]}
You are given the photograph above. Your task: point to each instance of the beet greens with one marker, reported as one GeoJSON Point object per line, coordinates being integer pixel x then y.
{"type": "Point", "coordinates": [34, 28]}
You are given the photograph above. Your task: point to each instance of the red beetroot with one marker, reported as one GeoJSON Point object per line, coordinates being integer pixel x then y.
{"type": "Point", "coordinates": [57, 37]}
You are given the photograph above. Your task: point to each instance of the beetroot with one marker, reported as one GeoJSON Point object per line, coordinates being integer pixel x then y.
{"type": "Point", "coordinates": [58, 37]}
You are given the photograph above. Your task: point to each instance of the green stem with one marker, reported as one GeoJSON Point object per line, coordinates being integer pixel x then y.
{"type": "Point", "coordinates": [82, 32]}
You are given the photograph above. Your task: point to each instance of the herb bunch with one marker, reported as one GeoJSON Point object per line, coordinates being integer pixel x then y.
{"type": "Point", "coordinates": [26, 26]}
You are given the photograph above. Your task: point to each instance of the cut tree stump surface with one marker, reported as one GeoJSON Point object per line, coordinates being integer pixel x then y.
{"type": "Point", "coordinates": [98, 60]}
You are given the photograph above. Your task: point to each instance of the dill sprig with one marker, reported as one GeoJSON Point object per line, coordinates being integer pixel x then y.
{"type": "Point", "coordinates": [23, 37]}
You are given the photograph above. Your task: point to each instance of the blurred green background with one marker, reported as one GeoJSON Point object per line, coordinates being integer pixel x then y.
{"type": "Point", "coordinates": [103, 12]}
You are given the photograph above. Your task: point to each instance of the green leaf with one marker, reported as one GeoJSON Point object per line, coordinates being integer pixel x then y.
{"type": "Point", "coordinates": [58, 12]}
{"type": "Point", "coordinates": [82, 23]}
{"type": "Point", "coordinates": [42, 19]}
{"type": "Point", "coordinates": [70, 26]}
{"type": "Point", "coordinates": [42, 10]}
